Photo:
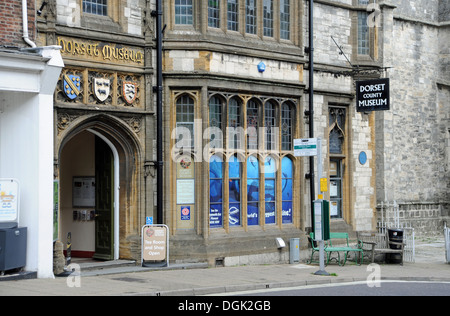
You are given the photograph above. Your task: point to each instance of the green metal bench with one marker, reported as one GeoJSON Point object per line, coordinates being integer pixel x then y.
{"type": "Point", "coordinates": [329, 248]}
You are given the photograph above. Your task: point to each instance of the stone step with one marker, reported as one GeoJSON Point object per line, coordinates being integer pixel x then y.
{"type": "Point", "coordinates": [101, 265]}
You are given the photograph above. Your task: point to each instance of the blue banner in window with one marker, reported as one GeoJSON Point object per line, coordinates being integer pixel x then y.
{"type": "Point", "coordinates": [270, 213]}
{"type": "Point", "coordinates": [215, 216]}
{"type": "Point", "coordinates": [234, 216]}
{"type": "Point", "coordinates": [287, 213]}
{"type": "Point", "coordinates": [252, 214]}
{"type": "Point", "coordinates": [215, 191]}
{"type": "Point", "coordinates": [234, 191]}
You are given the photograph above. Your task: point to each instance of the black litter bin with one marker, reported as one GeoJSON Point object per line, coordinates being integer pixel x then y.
{"type": "Point", "coordinates": [13, 248]}
{"type": "Point", "coordinates": [395, 235]}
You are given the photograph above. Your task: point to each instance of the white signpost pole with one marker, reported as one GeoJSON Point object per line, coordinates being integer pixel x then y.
{"type": "Point", "coordinates": [320, 210]}
{"type": "Point", "coordinates": [305, 148]}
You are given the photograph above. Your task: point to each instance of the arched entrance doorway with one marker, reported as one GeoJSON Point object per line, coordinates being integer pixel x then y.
{"type": "Point", "coordinates": [98, 175]}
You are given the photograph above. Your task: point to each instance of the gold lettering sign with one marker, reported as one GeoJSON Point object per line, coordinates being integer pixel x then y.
{"type": "Point", "coordinates": [100, 51]}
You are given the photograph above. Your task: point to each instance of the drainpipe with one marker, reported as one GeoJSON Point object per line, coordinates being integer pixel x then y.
{"type": "Point", "coordinates": [25, 24]}
{"type": "Point", "coordinates": [159, 88]}
{"type": "Point", "coordinates": [311, 105]}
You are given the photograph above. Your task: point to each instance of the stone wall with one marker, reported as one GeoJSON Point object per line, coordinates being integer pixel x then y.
{"type": "Point", "coordinates": [427, 219]}
{"type": "Point", "coordinates": [412, 158]}
{"type": "Point", "coordinates": [123, 16]}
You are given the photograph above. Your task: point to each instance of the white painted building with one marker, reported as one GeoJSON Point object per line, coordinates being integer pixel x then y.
{"type": "Point", "coordinates": [27, 82]}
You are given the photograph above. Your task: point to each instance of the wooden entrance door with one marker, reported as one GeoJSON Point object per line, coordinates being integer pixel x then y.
{"type": "Point", "coordinates": [104, 201]}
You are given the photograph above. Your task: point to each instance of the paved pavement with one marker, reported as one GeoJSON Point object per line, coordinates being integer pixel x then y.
{"type": "Point", "coordinates": [189, 280]}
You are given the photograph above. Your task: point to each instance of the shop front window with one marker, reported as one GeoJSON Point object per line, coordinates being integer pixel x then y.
{"type": "Point", "coordinates": [270, 190]}
{"type": "Point", "coordinates": [252, 191]}
{"type": "Point", "coordinates": [287, 189]}
{"type": "Point", "coordinates": [215, 192]}
{"type": "Point", "coordinates": [234, 203]}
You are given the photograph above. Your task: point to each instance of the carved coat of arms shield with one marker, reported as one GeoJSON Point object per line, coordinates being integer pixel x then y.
{"type": "Point", "coordinates": [72, 86]}
{"type": "Point", "coordinates": [102, 88]}
{"type": "Point", "coordinates": [129, 92]}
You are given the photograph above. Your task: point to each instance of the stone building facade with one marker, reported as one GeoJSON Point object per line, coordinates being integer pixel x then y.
{"type": "Point", "coordinates": [103, 126]}
{"type": "Point", "coordinates": [235, 92]}
{"type": "Point", "coordinates": [213, 77]}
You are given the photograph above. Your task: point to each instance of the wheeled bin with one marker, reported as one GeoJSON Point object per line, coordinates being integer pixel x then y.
{"type": "Point", "coordinates": [13, 248]}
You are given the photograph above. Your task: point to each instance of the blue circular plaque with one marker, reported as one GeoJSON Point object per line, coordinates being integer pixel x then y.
{"type": "Point", "coordinates": [362, 158]}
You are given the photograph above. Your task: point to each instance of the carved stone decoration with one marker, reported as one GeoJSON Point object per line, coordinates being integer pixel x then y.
{"type": "Point", "coordinates": [135, 123]}
{"type": "Point", "coordinates": [63, 121]}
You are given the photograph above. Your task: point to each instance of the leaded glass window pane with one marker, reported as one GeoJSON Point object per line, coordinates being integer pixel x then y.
{"type": "Point", "coordinates": [363, 34]}
{"type": "Point", "coordinates": [285, 19]}
{"type": "Point", "coordinates": [286, 126]}
{"type": "Point", "coordinates": [185, 121]}
{"type": "Point", "coordinates": [270, 126]}
{"type": "Point", "coordinates": [214, 13]}
{"type": "Point", "coordinates": [250, 16]}
{"type": "Point", "coordinates": [233, 15]}
{"type": "Point", "coordinates": [234, 124]}
{"type": "Point", "coordinates": [337, 130]}
{"type": "Point", "coordinates": [268, 18]}
{"type": "Point", "coordinates": [215, 122]}
{"type": "Point", "coordinates": [252, 125]}
{"type": "Point", "coordinates": [183, 12]}
{"type": "Point", "coordinates": [98, 7]}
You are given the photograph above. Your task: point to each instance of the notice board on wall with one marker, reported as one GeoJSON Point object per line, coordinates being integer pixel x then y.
{"type": "Point", "coordinates": [83, 192]}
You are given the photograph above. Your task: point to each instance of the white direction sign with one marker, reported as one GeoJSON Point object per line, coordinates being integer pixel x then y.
{"type": "Point", "coordinates": [305, 147]}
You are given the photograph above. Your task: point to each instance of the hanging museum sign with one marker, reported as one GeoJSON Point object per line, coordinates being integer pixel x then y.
{"type": "Point", "coordinates": [372, 95]}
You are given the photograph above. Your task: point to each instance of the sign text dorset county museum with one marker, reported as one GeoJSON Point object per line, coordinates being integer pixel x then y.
{"type": "Point", "coordinates": [372, 95]}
